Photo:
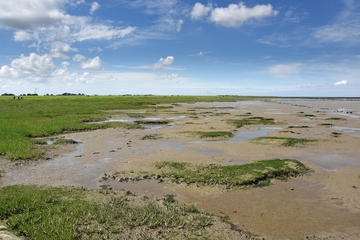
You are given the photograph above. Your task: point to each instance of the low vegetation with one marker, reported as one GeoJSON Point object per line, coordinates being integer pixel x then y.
{"type": "Point", "coordinates": [336, 119]}
{"type": "Point", "coordinates": [155, 122]}
{"type": "Point", "coordinates": [285, 142]}
{"type": "Point", "coordinates": [211, 134]}
{"type": "Point", "coordinates": [151, 137]}
{"type": "Point", "coordinates": [335, 134]}
{"type": "Point", "coordinates": [258, 173]}
{"type": "Point", "coordinates": [298, 126]}
{"type": "Point", "coordinates": [251, 121]}
{"type": "Point", "coordinates": [47, 116]}
{"type": "Point", "coordinates": [71, 213]}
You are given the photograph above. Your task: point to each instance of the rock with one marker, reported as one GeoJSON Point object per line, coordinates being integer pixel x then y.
{"type": "Point", "coordinates": [292, 188]}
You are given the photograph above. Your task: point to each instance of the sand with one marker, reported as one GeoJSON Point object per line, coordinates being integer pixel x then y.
{"type": "Point", "coordinates": [324, 203]}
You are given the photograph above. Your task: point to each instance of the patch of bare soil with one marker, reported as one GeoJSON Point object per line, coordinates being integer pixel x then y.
{"type": "Point", "coordinates": [324, 204]}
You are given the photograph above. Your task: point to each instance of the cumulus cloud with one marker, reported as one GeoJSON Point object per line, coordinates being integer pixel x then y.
{"type": "Point", "coordinates": [342, 82]}
{"type": "Point", "coordinates": [92, 64]}
{"type": "Point", "coordinates": [163, 62]}
{"type": "Point", "coordinates": [35, 65]}
{"type": "Point", "coordinates": [60, 50]}
{"type": "Point", "coordinates": [285, 69]}
{"type": "Point", "coordinates": [21, 36]}
{"type": "Point", "coordinates": [235, 15]}
{"type": "Point", "coordinates": [79, 58]}
{"type": "Point", "coordinates": [28, 14]}
{"type": "Point", "coordinates": [200, 10]}
{"type": "Point", "coordinates": [94, 6]}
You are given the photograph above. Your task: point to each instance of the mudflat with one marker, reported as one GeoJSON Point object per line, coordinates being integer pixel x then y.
{"type": "Point", "coordinates": [323, 204]}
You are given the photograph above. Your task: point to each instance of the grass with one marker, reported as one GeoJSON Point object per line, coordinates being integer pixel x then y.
{"type": "Point", "coordinates": [56, 213]}
{"type": "Point", "coordinates": [152, 121]}
{"type": "Point", "coordinates": [251, 121]}
{"type": "Point", "coordinates": [298, 126]}
{"type": "Point", "coordinates": [285, 142]}
{"type": "Point", "coordinates": [151, 137]}
{"type": "Point", "coordinates": [212, 134]}
{"type": "Point", "coordinates": [45, 116]}
{"type": "Point", "coordinates": [336, 119]}
{"type": "Point", "coordinates": [257, 173]}
{"type": "Point", "coordinates": [336, 134]}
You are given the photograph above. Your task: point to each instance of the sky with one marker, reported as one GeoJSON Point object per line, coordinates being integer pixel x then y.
{"type": "Point", "coordinates": [180, 47]}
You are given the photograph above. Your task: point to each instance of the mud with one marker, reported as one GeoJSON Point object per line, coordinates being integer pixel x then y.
{"type": "Point", "coordinates": [324, 204]}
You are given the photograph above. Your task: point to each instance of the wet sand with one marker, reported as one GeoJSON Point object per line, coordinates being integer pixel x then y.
{"type": "Point", "coordinates": [325, 203]}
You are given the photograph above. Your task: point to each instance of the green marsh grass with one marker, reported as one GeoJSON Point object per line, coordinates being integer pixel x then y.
{"type": "Point", "coordinates": [257, 173]}
{"type": "Point", "coordinates": [285, 142]}
{"type": "Point", "coordinates": [72, 213]}
{"type": "Point", "coordinates": [212, 134]}
{"type": "Point", "coordinates": [251, 121]}
{"type": "Point", "coordinates": [44, 116]}
{"type": "Point", "coordinates": [336, 119]}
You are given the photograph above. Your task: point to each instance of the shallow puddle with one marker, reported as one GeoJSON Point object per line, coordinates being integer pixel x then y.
{"type": "Point", "coordinates": [248, 135]}
{"type": "Point", "coordinates": [330, 161]}
{"type": "Point", "coordinates": [64, 170]}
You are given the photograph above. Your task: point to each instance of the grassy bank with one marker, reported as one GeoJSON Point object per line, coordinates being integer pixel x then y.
{"type": "Point", "coordinates": [21, 120]}
{"type": "Point", "coordinates": [58, 213]}
{"type": "Point", "coordinates": [258, 173]}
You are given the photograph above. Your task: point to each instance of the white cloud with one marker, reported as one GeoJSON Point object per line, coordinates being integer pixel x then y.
{"type": "Point", "coordinates": [28, 14]}
{"type": "Point", "coordinates": [179, 25]}
{"type": "Point", "coordinates": [97, 49]}
{"type": "Point", "coordinates": [342, 82]}
{"type": "Point", "coordinates": [94, 6]}
{"type": "Point", "coordinates": [285, 69]}
{"type": "Point", "coordinates": [82, 29]}
{"type": "Point", "coordinates": [36, 66]}
{"type": "Point", "coordinates": [21, 36]}
{"type": "Point", "coordinates": [62, 71]}
{"type": "Point", "coordinates": [92, 64]}
{"type": "Point", "coordinates": [200, 10]}
{"type": "Point", "coordinates": [60, 50]}
{"type": "Point", "coordinates": [79, 58]}
{"type": "Point", "coordinates": [163, 62]}
{"type": "Point", "coordinates": [235, 15]}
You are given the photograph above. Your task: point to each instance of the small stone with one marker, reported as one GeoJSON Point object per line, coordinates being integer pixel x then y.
{"type": "Point", "coordinates": [292, 188]}
{"type": "Point", "coordinates": [2, 227]}
{"type": "Point", "coordinates": [96, 152]}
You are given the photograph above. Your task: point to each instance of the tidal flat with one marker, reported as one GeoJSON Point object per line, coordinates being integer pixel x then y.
{"type": "Point", "coordinates": [320, 203]}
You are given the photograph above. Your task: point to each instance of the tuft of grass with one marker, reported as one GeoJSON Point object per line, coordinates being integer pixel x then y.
{"type": "Point", "coordinates": [336, 134]}
{"type": "Point", "coordinates": [336, 119]}
{"type": "Point", "coordinates": [298, 126]}
{"type": "Point", "coordinates": [65, 141]}
{"type": "Point", "coordinates": [286, 142]}
{"type": "Point", "coordinates": [152, 122]}
{"type": "Point", "coordinates": [251, 121]}
{"type": "Point", "coordinates": [212, 134]}
{"type": "Point", "coordinates": [151, 137]}
{"type": "Point", "coordinates": [257, 173]}
{"type": "Point", "coordinates": [326, 124]}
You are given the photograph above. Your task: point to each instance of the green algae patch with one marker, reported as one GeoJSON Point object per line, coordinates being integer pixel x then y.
{"type": "Point", "coordinates": [258, 173]}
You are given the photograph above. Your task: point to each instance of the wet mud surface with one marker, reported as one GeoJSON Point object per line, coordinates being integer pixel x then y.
{"type": "Point", "coordinates": [324, 203]}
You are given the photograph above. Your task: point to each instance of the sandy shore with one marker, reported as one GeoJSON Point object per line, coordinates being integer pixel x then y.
{"type": "Point", "coordinates": [325, 203]}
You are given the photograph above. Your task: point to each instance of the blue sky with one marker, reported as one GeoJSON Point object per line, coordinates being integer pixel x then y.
{"type": "Point", "coordinates": [255, 47]}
